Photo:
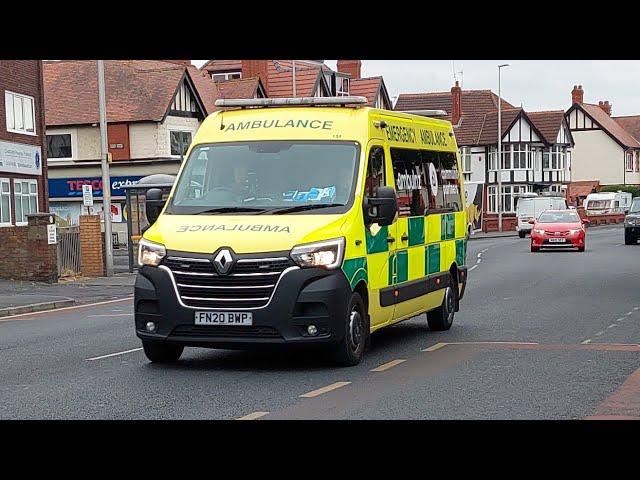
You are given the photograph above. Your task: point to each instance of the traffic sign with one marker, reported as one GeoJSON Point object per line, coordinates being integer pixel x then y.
{"type": "Point", "coordinates": [87, 195]}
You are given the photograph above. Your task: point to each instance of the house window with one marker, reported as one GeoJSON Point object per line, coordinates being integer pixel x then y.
{"type": "Point", "coordinates": [26, 199]}
{"type": "Point", "coordinates": [506, 157]}
{"type": "Point", "coordinates": [59, 146]}
{"type": "Point", "coordinates": [221, 77]}
{"type": "Point", "coordinates": [180, 142]}
{"type": "Point", "coordinates": [556, 158]}
{"type": "Point", "coordinates": [20, 113]}
{"type": "Point", "coordinates": [5, 200]}
{"type": "Point", "coordinates": [342, 86]}
{"type": "Point", "coordinates": [509, 197]}
{"type": "Point", "coordinates": [521, 156]}
{"type": "Point", "coordinates": [465, 158]}
{"type": "Point", "coordinates": [629, 161]}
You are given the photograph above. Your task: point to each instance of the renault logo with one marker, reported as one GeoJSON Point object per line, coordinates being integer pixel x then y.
{"type": "Point", "coordinates": [223, 261]}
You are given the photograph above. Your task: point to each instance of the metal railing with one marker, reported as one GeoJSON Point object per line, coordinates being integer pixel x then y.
{"type": "Point", "coordinates": [68, 251]}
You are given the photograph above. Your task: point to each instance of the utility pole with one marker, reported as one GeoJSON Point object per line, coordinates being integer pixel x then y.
{"type": "Point", "coordinates": [106, 178]}
{"type": "Point", "coordinates": [500, 206]}
{"type": "Point", "coordinates": [293, 64]}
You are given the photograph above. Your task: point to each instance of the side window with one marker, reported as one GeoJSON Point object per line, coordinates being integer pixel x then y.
{"type": "Point", "coordinates": [411, 176]}
{"type": "Point", "coordinates": [444, 184]}
{"type": "Point", "coordinates": [375, 171]}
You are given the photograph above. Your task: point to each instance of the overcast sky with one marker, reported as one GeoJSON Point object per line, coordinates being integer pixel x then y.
{"type": "Point", "coordinates": [534, 84]}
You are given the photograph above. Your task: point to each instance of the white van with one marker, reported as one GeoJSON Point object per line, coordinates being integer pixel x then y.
{"type": "Point", "coordinates": [530, 206]}
{"type": "Point", "coordinates": [605, 203]}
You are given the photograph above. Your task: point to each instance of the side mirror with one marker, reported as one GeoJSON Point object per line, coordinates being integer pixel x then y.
{"type": "Point", "coordinates": [382, 208]}
{"type": "Point", "coordinates": [586, 221]}
{"type": "Point", "coordinates": [153, 204]}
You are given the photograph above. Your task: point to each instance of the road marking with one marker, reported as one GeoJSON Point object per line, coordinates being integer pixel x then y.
{"type": "Point", "coordinates": [475, 266]}
{"type": "Point", "coordinates": [636, 308]}
{"type": "Point", "coordinates": [113, 315]}
{"type": "Point", "coordinates": [599, 333]}
{"type": "Point", "coordinates": [388, 365]}
{"type": "Point", "coordinates": [253, 416]}
{"type": "Point", "coordinates": [628, 313]}
{"type": "Point", "coordinates": [621, 319]}
{"type": "Point", "coordinates": [75, 307]}
{"type": "Point", "coordinates": [624, 402]}
{"type": "Point", "coordinates": [482, 251]}
{"type": "Point", "coordinates": [328, 388]}
{"type": "Point", "coordinates": [479, 260]}
{"type": "Point", "coordinates": [435, 347]}
{"type": "Point", "coordinates": [612, 325]}
{"type": "Point", "coordinates": [586, 341]}
{"type": "Point", "coordinates": [491, 343]}
{"type": "Point", "coordinates": [114, 354]}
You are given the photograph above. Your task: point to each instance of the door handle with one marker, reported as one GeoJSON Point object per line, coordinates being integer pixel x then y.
{"type": "Point", "coordinates": [404, 237]}
{"type": "Point", "coordinates": [390, 239]}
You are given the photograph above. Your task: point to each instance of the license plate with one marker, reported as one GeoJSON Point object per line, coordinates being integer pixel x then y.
{"type": "Point", "coordinates": [557, 240]}
{"type": "Point", "coordinates": [224, 318]}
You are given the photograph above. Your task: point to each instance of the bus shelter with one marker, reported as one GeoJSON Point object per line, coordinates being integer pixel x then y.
{"type": "Point", "coordinates": [135, 213]}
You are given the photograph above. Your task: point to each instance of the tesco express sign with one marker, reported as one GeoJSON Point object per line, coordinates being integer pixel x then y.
{"type": "Point", "coordinates": [72, 187]}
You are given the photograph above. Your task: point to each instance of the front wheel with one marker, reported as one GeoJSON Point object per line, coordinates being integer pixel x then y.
{"type": "Point", "coordinates": [534, 249]}
{"type": "Point", "coordinates": [442, 318]}
{"type": "Point", "coordinates": [629, 239]}
{"type": "Point", "coordinates": [581, 249]}
{"type": "Point", "coordinates": [521, 233]}
{"type": "Point", "coordinates": [159, 352]}
{"type": "Point", "coordinates": [351, 348]}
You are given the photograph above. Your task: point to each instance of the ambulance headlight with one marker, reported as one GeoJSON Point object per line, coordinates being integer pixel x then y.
{"type": "Point", "coordinates": [326, 254]}
{"type": "Point", "coordinates": [150, 253]}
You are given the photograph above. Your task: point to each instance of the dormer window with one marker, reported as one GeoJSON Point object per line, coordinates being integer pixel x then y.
{"type": "Point", "coordinates": [342, 86]}
{"type": "Point", "coordinates": [221, 77]}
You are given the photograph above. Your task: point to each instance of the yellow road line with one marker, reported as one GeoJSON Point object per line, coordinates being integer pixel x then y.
{"type": "Point", "coordinates": [253, 416]}
{"type": "Point", "coordinates": [435, 347]}
{"type": "Point", "coordinates": [326, 389]}
{"type": "Point", "coordinates": [388, 365]}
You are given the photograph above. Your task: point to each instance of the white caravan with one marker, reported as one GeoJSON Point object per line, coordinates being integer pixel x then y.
{"type": "Point", "coordinates": [607, 203]}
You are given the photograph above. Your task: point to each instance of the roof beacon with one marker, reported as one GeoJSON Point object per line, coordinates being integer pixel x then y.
{"type": "Point", "coordinates": [286, 102]}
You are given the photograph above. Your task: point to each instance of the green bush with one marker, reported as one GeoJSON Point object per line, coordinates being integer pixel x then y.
{"type": "Point", "coordinates": [633, 190]}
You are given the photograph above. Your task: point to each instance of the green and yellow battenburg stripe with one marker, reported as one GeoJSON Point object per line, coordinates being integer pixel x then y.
{"type": "Point", "coordinates": [434, 243]}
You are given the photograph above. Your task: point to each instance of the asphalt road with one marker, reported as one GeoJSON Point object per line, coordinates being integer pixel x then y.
{"type": "Point", "coordinates": [539, 336]}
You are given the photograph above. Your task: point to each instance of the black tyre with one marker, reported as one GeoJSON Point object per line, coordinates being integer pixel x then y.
{"type": "Point", "coordinates": [521, 233]}
{"type": "Point", "coordinates": [534, 249]}
{"type": "Point", "coordinates": [442, 317]}
{"type": "Point", "coordinates": [351, 348]}
{"type": "Point", "coordinates": [159, 352]}
{"type": "Point", "coordinates": [581, 249]}
{"type": "Point", "coordinates": [629, 239]}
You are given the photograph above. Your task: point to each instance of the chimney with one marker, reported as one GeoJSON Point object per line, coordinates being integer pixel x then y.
{"type": "Point", "coordinates": [352, 67]}
{"type": "Point", "coordinates": [605, 106]}
{"type": "Point", "coordinates": [257, 68]}
{"type": "Point", "coordinates": [577, 94]}
{"type": "Point", "coordinates": [456, 103]}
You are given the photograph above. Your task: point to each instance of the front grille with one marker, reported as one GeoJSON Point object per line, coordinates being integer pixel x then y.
{"type": "Point", "coordinates": [249, 284]}
{"type": "Point", "coordinates": [225, 331]}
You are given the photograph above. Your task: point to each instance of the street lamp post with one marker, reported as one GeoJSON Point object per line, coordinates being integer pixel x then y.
{"type": "Point", "coordinates": [500, 150]}
{"type": "Point", "coordinates": [106, 182]}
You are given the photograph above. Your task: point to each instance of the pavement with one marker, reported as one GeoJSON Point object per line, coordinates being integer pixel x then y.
{"type": "Point", "coordinates": [549, 335]}
{"type": "Point", "coordinates": [18, 297]}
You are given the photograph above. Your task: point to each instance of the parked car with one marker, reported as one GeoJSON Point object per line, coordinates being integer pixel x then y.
{"type": "Point", "coordinates": [632, 223]}
{"type": "Point", "coordinates": [531, 205]}
{"type": "Point", "coordinates": [606, 203]}
{"type": "Point", "coordinates": [558, 229]}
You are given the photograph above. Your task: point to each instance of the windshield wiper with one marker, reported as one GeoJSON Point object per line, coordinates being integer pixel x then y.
{"type": "Point", "coordinates": [229, 210]}
{"type": "Point", "coordinates": [300, 208]}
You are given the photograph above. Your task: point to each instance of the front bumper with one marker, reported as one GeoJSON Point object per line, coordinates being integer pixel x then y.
{"type": "Point", "coordinates": [303, 297]}
{"type": "Point", "coordinates": [545, 241]}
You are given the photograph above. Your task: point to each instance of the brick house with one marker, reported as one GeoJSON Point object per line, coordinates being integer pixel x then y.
{"type": "Point", "coordinates": [153, 110]}
{"type": "Point", "coordinates": [536, 147]}
{"type": "Point", "coordinates": [607, 148]}
{"type": "Point", "coordinates": [312, 78]}
{"type": "Point", "coordinates": [23, 169]}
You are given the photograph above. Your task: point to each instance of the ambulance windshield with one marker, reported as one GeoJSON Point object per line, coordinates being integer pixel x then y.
{"type": "Point", "coordinates": [265, 177]}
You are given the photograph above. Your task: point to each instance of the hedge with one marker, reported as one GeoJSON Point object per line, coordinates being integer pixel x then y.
{"type": "Point", "coordinates": [633, 190]}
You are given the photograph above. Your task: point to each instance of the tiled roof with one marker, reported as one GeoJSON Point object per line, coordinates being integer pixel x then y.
{"type": "Point", "coordinates": [631, 124]}
{"type": "Point", "coordinates": [366, 87]}
{"type": "Point", "coordinates": [548, 123]}
{"type": "Point", "coordinates": [473, 101]}
{"type": "Point", "coordinates": [238, 88]}
{"type": "Point", "coordinates": [137, 90]}
{"type": "Point", "coordinates": [280, 83]}
{"type": "Point", "coordinates": [213, 66]}
{"type": "Point", "coordinates": [206, 88]}
{"type": "Point", "coordinates": [581, 188]}
{"type": "Point", "coordinates": [489, 131]}
{"type": "Point", "coordinates": [610, 125]}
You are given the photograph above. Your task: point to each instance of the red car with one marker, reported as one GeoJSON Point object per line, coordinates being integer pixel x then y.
{"type": "Point", "coordinates": [558, 229]}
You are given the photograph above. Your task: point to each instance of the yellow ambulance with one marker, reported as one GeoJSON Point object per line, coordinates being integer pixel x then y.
{"type": "Point", "coordinates": [304, 221]}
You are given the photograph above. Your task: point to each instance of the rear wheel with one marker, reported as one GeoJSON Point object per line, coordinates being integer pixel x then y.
{"type": "Point", "coordinates": [442, 317]}
{"type": "Point", "coordinates": [351, 348]}
{"type": "Point", "coordinates": [521, 233]}
{"type": "Point", "coordinates": [159, 352]}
